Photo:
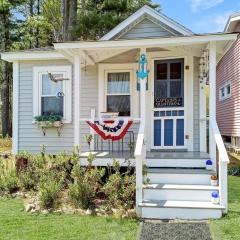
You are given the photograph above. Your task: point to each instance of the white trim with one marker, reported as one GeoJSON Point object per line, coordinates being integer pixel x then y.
{"type": "Point", "coordinates": [77, 89]}
{"type": "Point", "coordinates": [185, 108]}
{"type": "Point", "coordinates": [66, 70]}
{"type": "Point", "coordinates": [146, 10]}
{"type": "Point", "coordinates": [232, 22]}
{"type": "Point", "coordinates": [212, 98]}
{"type": "Point", "coordinates": [15, 107]}
{"type": "Point", "coordinates": [224, 87]}
{"type": "Point", "coordinates": [26, 56]}
{"type": "Point", "coordinates": [137, 43]}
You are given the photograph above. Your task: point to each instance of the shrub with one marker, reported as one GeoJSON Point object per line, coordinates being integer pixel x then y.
{"type": "Point", "coordinates": [81, 195]}
{"type": "Point", "coordinates": [10, 181]}
{"type": "Point", "coordinates": [49, 190]}
{"type": "Point", "coordinates": [234, 171]}
{"type": "Point", "coordinates": [87, 182]}
{"type": "Point", "coordinates": [120, 188]}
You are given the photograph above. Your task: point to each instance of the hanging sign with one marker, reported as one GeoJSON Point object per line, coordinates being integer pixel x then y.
{"type": "Point", "coordinates": [113, 130]}
{"type": "Point", "coordinates": [167, 102]}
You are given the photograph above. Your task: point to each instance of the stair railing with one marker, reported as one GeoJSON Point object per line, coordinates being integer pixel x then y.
{"type": "Point", "coordinates": [223, 161]}
{"type": "Point", "coordinates": [140, 155]}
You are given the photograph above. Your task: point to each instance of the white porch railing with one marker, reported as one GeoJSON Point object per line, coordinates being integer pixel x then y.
{"type": "Point", "coordinates": [223, 161]}
{"type": "Point", "coordinates": [140, 155]}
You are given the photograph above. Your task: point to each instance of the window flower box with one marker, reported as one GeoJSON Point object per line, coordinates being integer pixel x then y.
{"type": "Point", "coordinates": [52, 121]}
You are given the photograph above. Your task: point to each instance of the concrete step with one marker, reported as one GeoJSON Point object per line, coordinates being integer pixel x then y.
{"type": "Point", "coordinates": [178, 176]}
{"type": "Point", "coordinates": [180, 210]}
{"type": "Point", "coordinates": [178, 192]}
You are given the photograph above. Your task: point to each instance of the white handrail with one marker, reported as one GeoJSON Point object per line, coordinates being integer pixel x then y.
{"type": "Point", "coordinates": [222, 164]}
{"type": "Point", "coordinates": [140, 140]}
{"type": "Point", "coordinates": [140, 154]}
{"type": "Point", "coordinates": [219, 141]}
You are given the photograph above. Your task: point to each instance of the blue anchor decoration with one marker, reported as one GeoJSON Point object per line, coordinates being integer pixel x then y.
{"type": "Point", "coordinates": [141, 74]}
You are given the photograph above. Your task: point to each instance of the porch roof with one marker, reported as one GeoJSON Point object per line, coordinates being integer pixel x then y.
{"type": "Point", "coordinates": [68, 49]}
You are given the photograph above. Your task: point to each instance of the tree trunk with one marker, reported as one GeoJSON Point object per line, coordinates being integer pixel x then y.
{"type": "Point", "coordinates": [6, 99]}
{"type": "Point", "coordinates": [69, 19]}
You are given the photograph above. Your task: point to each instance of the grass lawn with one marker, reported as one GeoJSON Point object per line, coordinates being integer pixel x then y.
{"type": "Point", "coordinates": [16, 224]}
{"type": "Point", "coordinates": [228, 227]}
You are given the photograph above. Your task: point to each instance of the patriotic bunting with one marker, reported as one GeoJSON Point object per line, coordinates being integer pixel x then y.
{"type": "Point", "coordinates": [113, 130]}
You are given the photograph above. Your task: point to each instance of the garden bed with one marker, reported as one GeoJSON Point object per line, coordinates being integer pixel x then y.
{"type": "Point", "coordinates": [58, 184]}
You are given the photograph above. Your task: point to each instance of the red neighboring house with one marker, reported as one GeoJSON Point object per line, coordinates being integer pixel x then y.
{"type": "Point", "coordinates": [228, 87]}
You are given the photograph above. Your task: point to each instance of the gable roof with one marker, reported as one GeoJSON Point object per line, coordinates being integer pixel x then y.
{"type": "Point", "coordinates": [232, 22]}
{"type": "Point", "coordinates": [146, 11]}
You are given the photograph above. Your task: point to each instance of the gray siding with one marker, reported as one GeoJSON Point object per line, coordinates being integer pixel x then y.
{"type": "Point", "coordinates": [148, 29]}
{"type": "Point", "coordinates": [196, 133]}
{"type": "Point", "coordinates": [30, 136]}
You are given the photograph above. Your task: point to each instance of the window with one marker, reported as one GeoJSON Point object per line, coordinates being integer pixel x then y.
{"type": "Point", "coordinates": [169, 79]}
{"type": "Point", "coordinates": [225, 91]}
{"type": "Point", "coordinates": [118, 93]}
{"type": "Point", "coordinates": [49, 97]}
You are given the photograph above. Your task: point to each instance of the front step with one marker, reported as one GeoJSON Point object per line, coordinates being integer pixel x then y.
{"type": "Point", "coordinates": [179, 210]}
{"type": "Point", "coordinates": [178, 192]}
{"type": "Point", "coordinates": [177, 159]}
{"type": "Point", "coordinates": [179, 176]}
{"type": "Point", "coordinates": [173, 163]}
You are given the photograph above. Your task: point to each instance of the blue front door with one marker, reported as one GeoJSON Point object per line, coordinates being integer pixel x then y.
{"type": "Point", "coordinates": [168, 125]}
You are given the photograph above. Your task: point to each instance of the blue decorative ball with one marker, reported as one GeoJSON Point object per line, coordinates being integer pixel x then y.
{"type": "Point", "coordinates": [215, 195]}
{"type": "Point", "coordinates": [209, 162]}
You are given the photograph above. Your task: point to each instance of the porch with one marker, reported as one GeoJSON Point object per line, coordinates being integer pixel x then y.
{"type": "Point", "coordinates": [170, 136]}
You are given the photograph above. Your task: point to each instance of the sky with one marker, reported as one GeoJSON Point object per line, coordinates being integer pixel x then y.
{"type": "Point", "coordinates": [200, 16]}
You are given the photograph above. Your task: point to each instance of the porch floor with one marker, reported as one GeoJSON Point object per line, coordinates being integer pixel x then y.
{"type": "Point", "coordinates": [150, 155]}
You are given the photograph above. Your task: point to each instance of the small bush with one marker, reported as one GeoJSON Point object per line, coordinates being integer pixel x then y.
{"type": "Point", "coordinates": [234, 171]}
{"type": "Point", "coordinates": [49, 191]}
{"type": "Point", "coordinates": [120, 188]}
{"type": "Point", "coordinates": [81, 195]}
{"type": "Point", "coordinates": [87, 182]}
{"type": "Point", "coordinates": [9, 181]}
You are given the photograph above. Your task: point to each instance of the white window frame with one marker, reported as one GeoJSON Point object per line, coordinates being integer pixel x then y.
{"type": "Point", "coordinates": [104, 69]}
{"type": "Point", "coordinates": [66, 71]}
{"type": "Point", "coordinates": [224, 88]}
{"type": "Point", "coordinates": [118, 94]}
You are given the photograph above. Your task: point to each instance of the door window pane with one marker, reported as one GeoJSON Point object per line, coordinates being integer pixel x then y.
{"type": "Point", "coordinates": [49, 87]}
{"type": "Point", "coordinates": [161, 89]}
{"type": "Point", "coordinates": [175, 88]}
{"type": "Point", "coordinates": [180, 132]}
{"type": "Point", "coordinates": [119, 103]}
{"type": "Point", "coordinates": [168, 132]}
{"type": "Point", "coordinates": [162, 71]}
{"type": "Point", "coordinates": [118, 83]}
{"type": "Point", "coordinates": [52, 106]}
{"type": "Point", "coordinates": [157, 133]}
{"type": "Point", "coordinates": [175, 70]}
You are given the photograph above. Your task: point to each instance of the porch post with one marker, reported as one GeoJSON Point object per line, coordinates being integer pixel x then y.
{"type": "Point", "coordinates": [143, 91]}
{"type": "Point", "coordinates": [212, 98]}
{"type": "Point", "coordinates": [77, 88]}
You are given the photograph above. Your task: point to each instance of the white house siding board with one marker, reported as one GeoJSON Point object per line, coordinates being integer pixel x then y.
{"type": "Point", "coordinates": [196, 134]}
{"type": "Point", "coordinates": [88, 100]}
{"type": "Point", "coordinates": [148, 29]}
{"type": "Point", "coordinates": [30, 137]}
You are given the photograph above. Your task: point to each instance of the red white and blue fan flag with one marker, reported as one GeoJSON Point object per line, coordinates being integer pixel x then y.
{"type": "Point", "coordinates": [111, 129]}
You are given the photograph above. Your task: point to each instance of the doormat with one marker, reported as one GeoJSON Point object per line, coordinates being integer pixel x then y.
{"type": "Point", "coordinates": [175, 231]}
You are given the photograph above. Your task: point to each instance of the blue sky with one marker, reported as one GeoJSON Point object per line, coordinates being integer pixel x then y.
{"type": "Point", "coordinates": [200, 16]}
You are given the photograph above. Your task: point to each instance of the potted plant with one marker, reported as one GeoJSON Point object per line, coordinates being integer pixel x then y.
{"type": "Point", "coordinates": [49, 121]}
{"type": "Point", "coordinates": [214, 180]}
